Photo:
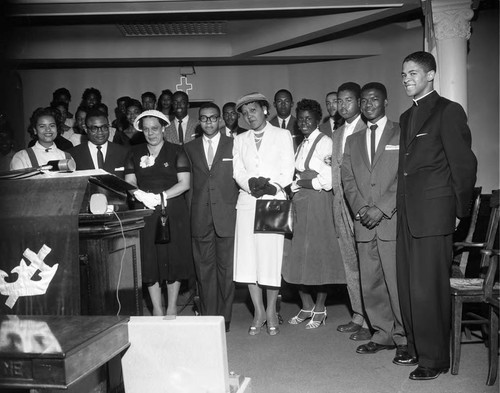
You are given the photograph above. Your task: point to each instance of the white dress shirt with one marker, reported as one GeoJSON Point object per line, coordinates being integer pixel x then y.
{"type": "Point", "coordinates": [378, 134]}
{"type": "Point", "coordinates": [228, 132]}
{"type": "Point", "coordinates": [93, 152]}
{"type": "Point", "coordinates": [349, 129]}
{"type": "Point", "coordinates": [184, 126]}
{"type": "Point", "coordinates": [215, 143]}
{"type": "Point", "coordinates": [280, 121]}
{"type": "Point", "coordinates": [317, 163]}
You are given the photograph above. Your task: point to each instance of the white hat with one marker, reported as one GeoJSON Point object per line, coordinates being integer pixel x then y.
{"type": "Point", "coordinates": [150, 113]}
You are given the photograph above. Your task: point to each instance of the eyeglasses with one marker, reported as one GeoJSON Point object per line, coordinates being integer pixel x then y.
{"type": "Point", "coordinates": [212, 118]}
{"type": "Point", "coordinates": [96, 129]}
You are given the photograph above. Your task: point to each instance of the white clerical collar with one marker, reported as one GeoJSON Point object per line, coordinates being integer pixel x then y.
{"type": "Point", "coordinates": [418, 99]}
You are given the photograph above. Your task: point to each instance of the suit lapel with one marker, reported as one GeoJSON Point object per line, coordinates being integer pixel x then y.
{"type": "Point", "coordinates": [172, 133]}
{"type": "Point", "coordinates": [339, 134]}
{"type": "Point", "coordinates": [220, 148]}
{"type": "Point", "coordinates": [387, 134]}
{"type": "Point", "coordinates": [200, 154]}
{"type": "Point", "coordinates": [423, 115]}
{"type": "Point", "coordinates": [361, 144]}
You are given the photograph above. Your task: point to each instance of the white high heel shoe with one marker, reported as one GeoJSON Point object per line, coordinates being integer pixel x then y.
{"type": "Point", "coordinates": [313, 324]}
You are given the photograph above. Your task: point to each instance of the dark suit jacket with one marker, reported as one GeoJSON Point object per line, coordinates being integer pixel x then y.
{"type": "Point", "coordinates": [437, 168]}
{"type": "Point", "coordinates": [213, 191]}
{"type": "Point", "coordinates": [114, 162]}
{"type": "Point", "coordinates": [292, 127]}
{"type": "Point", "coordinates": [372, 185]}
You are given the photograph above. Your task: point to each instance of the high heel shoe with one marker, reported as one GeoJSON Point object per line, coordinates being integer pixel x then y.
{"type": "Point", "coordinates": [254, 330]}
{"type": "Point", "coordinates": [297, 319]}
{"type": "Point", "coordinates": [273, 330]}
{"type": "Point", "coordinates": [313, 324]}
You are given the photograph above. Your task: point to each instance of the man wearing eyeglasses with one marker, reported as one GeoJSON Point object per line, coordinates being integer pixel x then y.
{"type": "Point", "coordinates": [213, 197]}
{"type": "Point", "coordinates": [98, 152]}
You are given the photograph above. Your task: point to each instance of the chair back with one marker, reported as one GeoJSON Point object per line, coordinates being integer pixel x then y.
{"type": "Point", "coordinates": [475, 204]}
{"type": "Point", "coordinates": [490, 280]}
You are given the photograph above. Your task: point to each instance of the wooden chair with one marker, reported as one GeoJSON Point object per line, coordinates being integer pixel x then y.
{"type": "Point", "coordinates": [471, 290]}
{"type": "Point", "coordinates": [491, 298]}
{"type": "Point", "coordinates": [460, 251]}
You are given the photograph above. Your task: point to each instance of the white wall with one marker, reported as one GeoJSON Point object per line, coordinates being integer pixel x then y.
{"type": "Point", "coordinates": [309, 80]}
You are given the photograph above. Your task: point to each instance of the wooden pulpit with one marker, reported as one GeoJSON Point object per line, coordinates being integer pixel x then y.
{"type": "Point", "coordinates": [57, 258]}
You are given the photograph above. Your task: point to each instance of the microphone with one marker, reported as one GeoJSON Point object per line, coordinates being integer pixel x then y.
{"type": "Point", "coordinates": [68, 164]}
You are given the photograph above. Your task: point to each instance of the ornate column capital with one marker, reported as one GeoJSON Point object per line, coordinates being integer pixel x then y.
{"type": "Point", "coordinates": [452, 18]}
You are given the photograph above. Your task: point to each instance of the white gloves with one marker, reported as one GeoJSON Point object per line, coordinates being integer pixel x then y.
{"type": "Point", "coordinates": [149, 199]}
{"type": "Point", "coordinates": [294, 187]}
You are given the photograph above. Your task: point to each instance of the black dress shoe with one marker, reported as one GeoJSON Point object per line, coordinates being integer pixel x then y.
{"type": "Point", "coordinates": [362, 334]}
{"type": "Point", "coordinates": [372, 347]}
{"type": "Point", "coordinates": [350, 327]}
{"type": "Point", "coordinates": [426, 373]}
{"type": "Point", "coordinates": [403, 357]}
{"type": "Point", "coordinates": [227, 325]}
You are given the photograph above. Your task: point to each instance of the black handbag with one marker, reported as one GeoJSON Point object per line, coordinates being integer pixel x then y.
{"type": "Point", "coordinates": [273, 216]}
{"type": "Point", "coordinates": [162, 226]}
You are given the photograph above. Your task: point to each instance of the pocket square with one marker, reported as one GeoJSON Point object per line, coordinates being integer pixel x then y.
{"type": "Point", "coordinates": [418, 135]}
{"type": "Point", "coordinates": [120, 169]}
{"type": "Point", "coordinates": [392, 147]}
{"type": "Point", "coordinates": [227, 159]}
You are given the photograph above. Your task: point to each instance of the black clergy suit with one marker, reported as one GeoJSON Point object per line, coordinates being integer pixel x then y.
{"type": "Point", "coordinates": [114, 161]}
{"type": "Point", "coordinates": [292, 126]}
{"type": "Point", "coordinates": [436, 176]}
{"type": "Point", "coordinates": [213, 197]}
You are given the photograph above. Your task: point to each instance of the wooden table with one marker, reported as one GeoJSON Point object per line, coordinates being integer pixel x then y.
{"type": "Point", "coordinates": [59, 352]}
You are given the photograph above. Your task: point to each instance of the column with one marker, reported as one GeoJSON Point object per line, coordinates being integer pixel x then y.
{"type": "Point", "coordinates": [452, 29]}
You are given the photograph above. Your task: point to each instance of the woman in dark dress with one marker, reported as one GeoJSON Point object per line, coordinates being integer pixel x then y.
{"type": "Point", "coordinates": [159, 167]}
{"type": "Point", "coordinates": [130, 136]}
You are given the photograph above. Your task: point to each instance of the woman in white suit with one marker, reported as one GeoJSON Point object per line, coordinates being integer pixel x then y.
{"type": "Point", "coordinates": [263, 162]}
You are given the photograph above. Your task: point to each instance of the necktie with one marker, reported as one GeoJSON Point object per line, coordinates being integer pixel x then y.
{"type": "Point", "coordinates": [283, 124]}
{"type": "Point", "coordinates": [373, 127]}
{"type": "Point", "coordinates": [210, 154]}
{"type": "Point", "coordinates": [100, 157]}
{"type": "Point", "coordinates": [181, 133]}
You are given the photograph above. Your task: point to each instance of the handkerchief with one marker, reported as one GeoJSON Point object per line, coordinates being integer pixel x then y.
{"type": "Point", "coordinates": [391, 147]}
{"type": "Point", "coordinates": [418, 135]}
{"type": "Point", "coordinates": [227, 159]}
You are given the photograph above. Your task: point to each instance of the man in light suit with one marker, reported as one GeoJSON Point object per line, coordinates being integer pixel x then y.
{"type": "Point", "coordinates": [213, 214]}
{"type": "Point", "coordinates": [283, 102]}
{"type": "Point", "coordinates": [369, 175]}
{"type": "Point", "coordinates": [436, 176]}
{"type": "Point", "coordinates": [332, 122]}
{"type": "Point", "coordinates": [87, 154]}
{"type": "Point", "coordinates": [348, 107]}
{"type": "Point", "coordinates": [182, 129]}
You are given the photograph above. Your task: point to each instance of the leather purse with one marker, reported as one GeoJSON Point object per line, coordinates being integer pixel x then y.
{"type": "Point", "coordinates": [274, 215]}
{"type": "Point", "coordinates": [162, 226]}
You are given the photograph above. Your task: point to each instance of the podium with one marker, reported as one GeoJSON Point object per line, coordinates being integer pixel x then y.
{"type": "Point", "coordinates": [55, 353]}
{"type": "Point", "coordinates": [56, 258]}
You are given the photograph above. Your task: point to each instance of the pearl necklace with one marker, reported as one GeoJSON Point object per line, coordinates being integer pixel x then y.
{"type": "Point", "coordinates": [258, 135]}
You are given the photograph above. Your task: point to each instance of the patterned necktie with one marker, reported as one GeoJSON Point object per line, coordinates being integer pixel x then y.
{"type": "Point", "coordinates": [181, 133]}
{"type": "Point", "coordinates": [100, 157]}
{"type": "Point", "coordinates": [283, 124]}
{"type": "Point", "coordinates": [373, 127]}
{"type": "Point", "coordinates": [210, 154]}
